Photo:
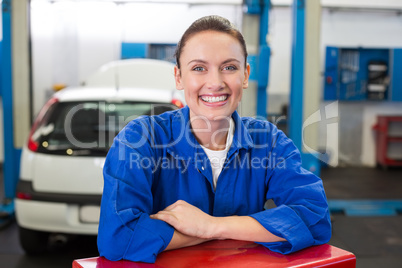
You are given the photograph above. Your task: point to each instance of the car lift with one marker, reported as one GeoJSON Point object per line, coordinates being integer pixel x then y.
{"type": "Point", "coordinates": [11, 155]}
{"type": "Point", "coordinates": [260, 62]}
{"type": "Point", "coordinates": [304, 103]}
{"type": "Point", "coordinates": [14, 94]}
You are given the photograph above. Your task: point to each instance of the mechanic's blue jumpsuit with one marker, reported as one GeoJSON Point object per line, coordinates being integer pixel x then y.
{"type": "Point", "coordinates": [156, 161]}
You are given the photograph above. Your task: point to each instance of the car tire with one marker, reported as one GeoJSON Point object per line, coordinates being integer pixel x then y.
{"type": "Point", "coordinates": [33, 242]}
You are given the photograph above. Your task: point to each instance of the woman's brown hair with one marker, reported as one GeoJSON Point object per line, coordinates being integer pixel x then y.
{"type": "Point", "coordinates": [210, 23]}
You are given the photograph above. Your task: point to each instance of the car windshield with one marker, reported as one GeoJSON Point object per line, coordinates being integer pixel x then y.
{"type": "Point", "coordinates": [88, 128]}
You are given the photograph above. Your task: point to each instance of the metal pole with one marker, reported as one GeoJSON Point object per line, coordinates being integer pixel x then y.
{"type": "Point", "coordinates": [11, 154]}
{"type": "Point", "coordinates": [304, 91]}
{"type": "Point", "coordinates": [263, 61]}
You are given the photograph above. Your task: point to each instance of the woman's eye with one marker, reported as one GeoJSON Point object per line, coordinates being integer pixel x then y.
{"type": "Point", "coordinates": [198, 69]}
{"type": "Point", "coordinates": [230, 68]}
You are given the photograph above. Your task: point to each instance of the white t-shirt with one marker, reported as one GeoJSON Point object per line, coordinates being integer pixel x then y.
{"type": "Point", "coordinates": [217, 158]}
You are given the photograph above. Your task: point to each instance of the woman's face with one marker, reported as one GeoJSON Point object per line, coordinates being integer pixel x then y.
{"type": "Point", "coordinates": [212, 74]}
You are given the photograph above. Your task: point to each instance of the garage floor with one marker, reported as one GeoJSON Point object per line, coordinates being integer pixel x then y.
{"type": "Point", "coordinates": [375, 240]}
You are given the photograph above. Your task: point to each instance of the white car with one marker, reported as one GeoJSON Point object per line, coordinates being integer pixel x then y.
{"type": "Point", "coordinates": [61, 179]}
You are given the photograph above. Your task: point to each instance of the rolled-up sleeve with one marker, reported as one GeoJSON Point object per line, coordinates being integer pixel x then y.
{"type": "Point", "coordinates": [301, 215]}
{"type": "Point", "coordinates": [125, 229]}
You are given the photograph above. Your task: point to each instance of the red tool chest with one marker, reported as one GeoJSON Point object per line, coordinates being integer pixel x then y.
{"type": "Point", "coordinates": [388, 140]}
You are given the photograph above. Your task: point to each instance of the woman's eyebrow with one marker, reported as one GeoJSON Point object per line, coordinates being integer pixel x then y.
{"type": "Point", "coordinates": [205, 62]}
{"type": "Point", "coordinates": [230, 60]}
{"type": "Point", "coordinates": [197, 61]}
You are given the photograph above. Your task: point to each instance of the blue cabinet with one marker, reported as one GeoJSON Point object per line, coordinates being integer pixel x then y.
{"type": "Point", "coordinates": [357, 74]}
{"type": "Point", "coordinates": [151, 51]}
{"type": "Point", "coordinates": [396, 75]}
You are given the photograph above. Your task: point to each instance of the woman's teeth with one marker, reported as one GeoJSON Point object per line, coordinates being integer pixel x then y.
{"type": "Point", "coordinates": [214, 99]}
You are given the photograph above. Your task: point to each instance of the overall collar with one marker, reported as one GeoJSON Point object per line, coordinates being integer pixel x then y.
{"type": "Point", "coordinates": [185, 145]}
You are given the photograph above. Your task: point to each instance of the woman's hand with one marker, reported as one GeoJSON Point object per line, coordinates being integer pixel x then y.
{"type": "Point", "coordinates": [188, 220]}
{"type": "Point", "coordinates": [193, 222]}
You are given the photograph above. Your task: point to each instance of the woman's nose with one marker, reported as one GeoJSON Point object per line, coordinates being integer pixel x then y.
{"type": "Point", "coordinates": [215, 81]}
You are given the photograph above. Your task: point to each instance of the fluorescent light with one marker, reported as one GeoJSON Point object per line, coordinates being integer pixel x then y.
{"type": "Point", "coordinates": [193, 2]}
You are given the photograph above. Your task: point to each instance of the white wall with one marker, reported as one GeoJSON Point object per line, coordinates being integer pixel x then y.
{"type": "Point", "coordinates": [280, 39]}
{"type": "Point", "coordinates": [71, 39]}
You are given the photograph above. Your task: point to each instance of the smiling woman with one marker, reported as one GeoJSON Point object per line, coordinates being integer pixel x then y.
{"type": "Point", "coordinates": [203, 172]}
{"type": "Point", "coordinates": [213, 76]}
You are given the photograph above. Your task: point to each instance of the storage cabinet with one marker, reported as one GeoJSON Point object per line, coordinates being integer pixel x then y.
{"type": "Point", "coordinates": [361, 74]}
{"type": "Point", "coordinates": [389, 141]}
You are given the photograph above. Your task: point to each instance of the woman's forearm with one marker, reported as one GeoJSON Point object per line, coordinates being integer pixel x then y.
{"type": "Point", "coordinates": [233, 227]}
{"type": "Point", "coordinates": [193, 226]}
{"type": "Point", "coordinates": [180, 240]}
{"type": "Point", "coordinates": [242, 228]}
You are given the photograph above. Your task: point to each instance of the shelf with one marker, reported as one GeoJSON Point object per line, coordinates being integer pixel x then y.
{"type": "Point", "coordinates": [394, 139]}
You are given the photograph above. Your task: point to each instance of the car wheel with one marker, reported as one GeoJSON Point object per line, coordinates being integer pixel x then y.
{"type": "Point", "coordinates": [33, 242]}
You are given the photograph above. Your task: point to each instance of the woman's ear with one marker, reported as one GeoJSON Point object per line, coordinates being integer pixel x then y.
{"type": "Point", "coordinates": [246, 76]}
{"type": "Point", "coordinates": [177, 78]}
